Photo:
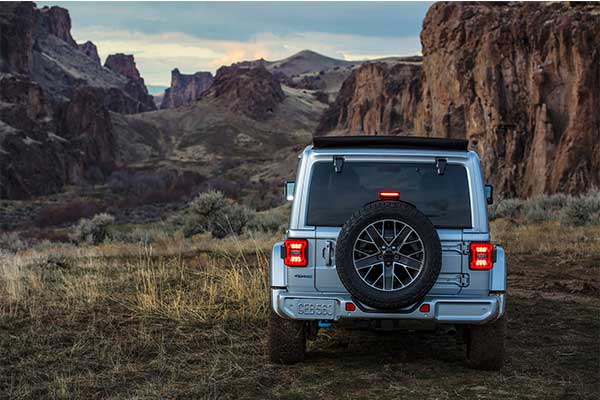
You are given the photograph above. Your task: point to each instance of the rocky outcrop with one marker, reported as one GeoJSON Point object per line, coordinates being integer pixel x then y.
{"type": "Point", "coordinates": [90, 50]}
{"type": "Point", "coordinates": [17, 24]}
{"type": "Point", "coordinates": [521, 81]}
{"type": "Point", "coordinates": [86, 122]}
{"type": "Point", "coordinates": [124, 64]}
{"type": "Point", "coordinates": [57, 22]}
{"type": "Point", "coordinates": [185, 89]}
{"type": "Point", "coordinates": [253, 92]}
{"type": "Point", "coordinates": [377, 98]}
{"type": "Point", "coordinates": [55, 125]}
{"type": "Point", "coordinates": [32, 159]}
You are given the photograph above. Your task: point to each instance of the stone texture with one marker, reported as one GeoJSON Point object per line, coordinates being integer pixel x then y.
{"type": "Point", "coordinates": [17, 24]}
{"type": "Point", "coordinates": [58, 23]}
{"type": "Point", "coordinates": [124, 64]}
{"type": "Point", "coordinates": [185, 89]}
{"type": "Point", "coordinates": [90, 50]}
{"type": "Point", "coordinates": [521, 81]}
{"type": "Point", "coordinates": [55, 126]}
{"type": "Point", "coordinates": [253, 92]}
{"type": "Point", "coordinates": [376, 99]}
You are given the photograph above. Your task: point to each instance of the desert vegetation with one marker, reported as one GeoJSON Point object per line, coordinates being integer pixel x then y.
{"type": "Point", "coordinates": [171, 309]}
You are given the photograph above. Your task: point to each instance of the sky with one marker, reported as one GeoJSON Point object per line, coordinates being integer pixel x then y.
{"type": "Point", "coordinates": [202, 36]}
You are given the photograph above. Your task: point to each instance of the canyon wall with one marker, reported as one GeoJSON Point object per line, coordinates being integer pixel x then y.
{"type": "Point", "coordinates": [185, 89]}
{"type": "Point", "coordinates": [521, 81]}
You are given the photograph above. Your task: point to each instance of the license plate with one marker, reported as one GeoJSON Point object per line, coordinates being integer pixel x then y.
{"type": "Point", "coordinates": [321, 309]}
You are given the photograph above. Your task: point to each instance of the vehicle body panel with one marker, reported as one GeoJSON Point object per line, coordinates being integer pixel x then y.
{"type": "Point", "coordinates": [459, 295]}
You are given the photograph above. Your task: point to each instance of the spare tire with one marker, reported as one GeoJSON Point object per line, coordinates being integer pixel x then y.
{"type": "Point", "coordinates": [388, 255]}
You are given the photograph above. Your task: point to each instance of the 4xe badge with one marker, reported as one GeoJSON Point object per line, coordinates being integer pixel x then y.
{"type": "Point", "coordinates": [303, 276]}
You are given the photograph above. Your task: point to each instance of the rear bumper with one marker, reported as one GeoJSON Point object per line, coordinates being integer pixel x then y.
{"type": "Point", "coordinates": [442, 309]}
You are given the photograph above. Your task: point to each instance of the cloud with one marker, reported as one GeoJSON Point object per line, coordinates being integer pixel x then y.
{"type": "Point", "coordinates": [156, 54]}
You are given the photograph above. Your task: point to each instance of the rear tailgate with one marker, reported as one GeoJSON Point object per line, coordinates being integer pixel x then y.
{"type": "Point", "coordinates": [449, 281]}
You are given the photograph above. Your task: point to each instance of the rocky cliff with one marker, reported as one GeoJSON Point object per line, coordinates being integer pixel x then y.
{"type": "Point", "coordinates": [521, 81]}
{"type": "Point", "coordinates": [124, 64]}
{"type": "Point", "coordinates": [89, 49]}
{"type": "Point", "coordinates": [57, 21]}
{"type": "Point", "coordinates": [185, 89]}
{"type": "Point", "coordinates": [55, 126]}
{"type": "Point", "coordinates": [253, 92]}
{"type": "Point", "coordinates": [377, 98]}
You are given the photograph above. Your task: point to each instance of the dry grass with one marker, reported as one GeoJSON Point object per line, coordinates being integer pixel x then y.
{"type": "Point", "coordinates": [547, 238]}
{"type": "Point", "coordinates": [187, 319]}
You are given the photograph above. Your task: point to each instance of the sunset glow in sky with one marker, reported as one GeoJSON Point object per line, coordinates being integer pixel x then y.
{"type": "Point", "coordinates": [203, 36]}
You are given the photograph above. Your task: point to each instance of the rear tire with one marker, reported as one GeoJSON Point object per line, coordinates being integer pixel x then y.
{"type": "Point", "coordinates": [287, 340]}
{"type": "Point", "coordinates": [485, 345]}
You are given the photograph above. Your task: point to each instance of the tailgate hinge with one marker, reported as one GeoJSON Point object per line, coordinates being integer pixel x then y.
{"type": "Point", "coordinates": [465, 280]}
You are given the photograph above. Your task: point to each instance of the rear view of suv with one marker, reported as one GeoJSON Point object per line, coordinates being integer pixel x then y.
{"type": "Point", "coordinates": [383, 231]}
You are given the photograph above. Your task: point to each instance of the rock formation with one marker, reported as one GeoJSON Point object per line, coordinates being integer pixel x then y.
{"type": "Point", "coordinates": [124, 64]}
{"type": "Point", "coordinates": [57, 22]}
{"type": "Point", "coordinates": [253, 92]}
{"type": "Point", "coordinates": [55, 125]}
{"type": "Point", "coordinates": [185, 89]}
{"type": "Point", "coordinates": [521, 81]}
{"type": "Point", "coordinates": [90, 50]}
{"type": "Point", "coordinates": [17, 23]}
{"type": "Point", "coordinates": [376, 99]}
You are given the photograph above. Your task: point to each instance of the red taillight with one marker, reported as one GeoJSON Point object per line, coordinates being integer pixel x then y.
{"type": "Point", "coordinates": [481, 256]}
{"type": "Point", "coordinates": [295, 253]}
{"type": "Point", "coordinates": [389, 195]}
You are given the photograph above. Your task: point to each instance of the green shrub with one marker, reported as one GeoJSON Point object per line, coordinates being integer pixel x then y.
{"type": "Point", "coordinates": [269, 221]}
{"type": "Point", "coordinates": [580, 211]}
{"type": "Point", "coordinates": [94, 230]}
{"type": "Point", "coordinates": [509, 208]}
{"type": "Point", "coordinates": [213, 212]}
{"type": "Point", "coordinates": [11, 242]}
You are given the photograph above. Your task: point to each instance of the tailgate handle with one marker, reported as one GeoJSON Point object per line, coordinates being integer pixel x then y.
{"type": "Point", "coordinates": [327, 250]}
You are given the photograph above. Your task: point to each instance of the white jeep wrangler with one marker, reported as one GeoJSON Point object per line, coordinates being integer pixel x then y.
{"type": "Point", "coordinates": [385, 230]}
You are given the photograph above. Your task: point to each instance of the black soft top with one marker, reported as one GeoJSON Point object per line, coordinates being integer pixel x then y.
{"type": "Point", "coordinates": [395, 142]}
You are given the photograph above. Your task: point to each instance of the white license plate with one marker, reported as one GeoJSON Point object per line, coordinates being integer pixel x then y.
{"type": "Point", "coordinates": [321, 309]}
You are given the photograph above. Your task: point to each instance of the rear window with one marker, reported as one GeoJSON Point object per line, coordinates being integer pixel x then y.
{"type": "Point", "coordinates": [335, 196]}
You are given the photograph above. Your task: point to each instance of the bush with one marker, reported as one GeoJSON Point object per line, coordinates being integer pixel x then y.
{"type": "Point", "coordinates": [570, 211]}
{"type": "Point", "coordinates": [508, 208]}
{"type": "Point", "coordinates": [11, 242]}
{"type": "Point", "coordinates": [581, 211]}
{"type": "Point", "coordinates": [92, 231]}
{"type": "Point", "coordinates": [213, 212]}
{"type": "Point", "coordinates": [269, 221]}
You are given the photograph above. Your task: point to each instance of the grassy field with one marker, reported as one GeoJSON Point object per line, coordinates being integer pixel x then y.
{"type": "Point", "coordinates": [187, 319]}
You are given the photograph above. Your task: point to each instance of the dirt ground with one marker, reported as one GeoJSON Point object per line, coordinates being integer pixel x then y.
{"type": "Point", "coordinates": [153, 327]}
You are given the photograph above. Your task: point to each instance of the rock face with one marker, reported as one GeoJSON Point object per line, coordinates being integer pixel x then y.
{"type": "Point", "coordinates": [55, 125]}
{"type": "Point", "coordinates": [253, 92]}
{"type": "Point", "coordinates": [17, 23]}
{"type": "Point", "coordinates": [376, 99]}
{"type": "Point", "coordinates": [521, 81]}
{"type": "Point", "coordinates": [124, 64]}
{"type": "Point", "coordinates": [185, 89]}
{"type": "Point", "coordinates": [58, 23]}
{"type": "Point", "coordinates": [90, 50]}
